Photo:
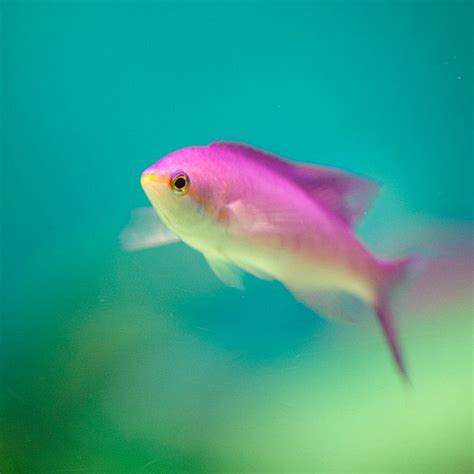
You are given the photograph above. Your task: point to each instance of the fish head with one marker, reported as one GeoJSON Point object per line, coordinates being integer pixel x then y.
{"type": "Point", "coordinates": [182, 187]}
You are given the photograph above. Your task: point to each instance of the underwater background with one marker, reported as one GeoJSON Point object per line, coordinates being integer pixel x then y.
{"type": "Point", "coordinates": [145, 362]}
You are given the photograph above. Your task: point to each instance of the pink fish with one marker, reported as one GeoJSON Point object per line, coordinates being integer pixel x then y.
{"type": "Point", "coordinates": [250, 211]}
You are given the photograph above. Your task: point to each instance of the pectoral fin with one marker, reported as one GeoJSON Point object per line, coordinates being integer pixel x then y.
{"type": "Point", "coordinates": [146, 230]}
{"type": "Point", "coordinates": [250, 218]}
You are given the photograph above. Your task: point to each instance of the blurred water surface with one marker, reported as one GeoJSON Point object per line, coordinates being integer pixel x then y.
{"type": "Point", "coordinates": [145, 362]}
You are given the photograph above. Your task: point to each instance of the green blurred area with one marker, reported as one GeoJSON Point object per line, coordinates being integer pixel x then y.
{"type": "Point", "coordinates": [144, 362]}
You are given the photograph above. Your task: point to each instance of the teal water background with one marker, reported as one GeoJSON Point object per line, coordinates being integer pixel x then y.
{"type": "Point", "coordinates": [145, 362]}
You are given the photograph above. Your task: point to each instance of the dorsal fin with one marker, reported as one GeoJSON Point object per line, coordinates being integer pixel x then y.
{"type": "Point", "coordinates": [341, 193]}
{"type": "Point", "coordinates": [344, 194]}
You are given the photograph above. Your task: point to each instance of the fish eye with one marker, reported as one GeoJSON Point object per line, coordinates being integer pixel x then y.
{"type": "Point", "coordinates": [180, 183]}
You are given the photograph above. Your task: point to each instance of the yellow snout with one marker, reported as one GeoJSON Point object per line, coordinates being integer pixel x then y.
{"type": "Point", "coordinates": [150, 178]}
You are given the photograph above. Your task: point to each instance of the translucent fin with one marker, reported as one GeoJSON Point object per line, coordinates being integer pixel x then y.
{"type": "Point", "coordinates": [393, 275]}
{"type": "Point", "coordinates": [333, 304]}
{"type": "Point", "coordinates": [345, 307]}
{"type": "Point", "coordinates": [226, 272]}
{"type": "Point", "coordinates": [343, 194]}
{"type": "Point", "coordinates": [245, 217]}
{"type": "Point", "coordinates": [146, 230]}
{"type": "Point", "coordinates": [443, 275]}
{"type": "Point", "coordinates": [256, 272]}
{"type": "Point", "coordinates": [387, 323]}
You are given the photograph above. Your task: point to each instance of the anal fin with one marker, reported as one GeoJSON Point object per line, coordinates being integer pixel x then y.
{"type": "Point", "coordinates": [333, 304]}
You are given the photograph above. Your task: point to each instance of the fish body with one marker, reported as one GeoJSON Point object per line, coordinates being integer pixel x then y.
{"type": "Point", "coordinates": [250, 211]}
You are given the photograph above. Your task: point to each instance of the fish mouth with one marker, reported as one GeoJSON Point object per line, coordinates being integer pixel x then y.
{"type": "Point", "coordinates": [148, 179]}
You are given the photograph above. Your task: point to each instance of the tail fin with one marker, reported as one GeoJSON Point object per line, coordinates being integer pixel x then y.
{"type": "Point", "coordinates": [393, 275]}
